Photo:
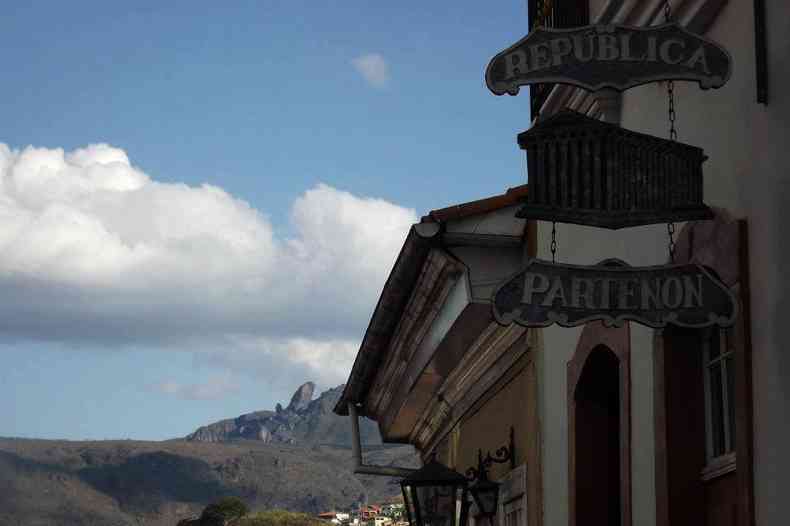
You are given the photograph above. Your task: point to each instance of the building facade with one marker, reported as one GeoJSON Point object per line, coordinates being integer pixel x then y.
{"type": "Point", "coordinates": [624, 425]}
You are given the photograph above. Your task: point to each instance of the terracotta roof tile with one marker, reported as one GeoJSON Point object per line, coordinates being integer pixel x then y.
{"type": "Point", "coordinates": [513, 196]}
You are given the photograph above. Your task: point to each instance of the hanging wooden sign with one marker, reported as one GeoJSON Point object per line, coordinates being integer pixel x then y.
{"type": "Point", "coordinates": [544, 293]}
{"type": "Point", "coordinates": [608, 56]}
{"type": "Point", "coordinates": [588, 172]}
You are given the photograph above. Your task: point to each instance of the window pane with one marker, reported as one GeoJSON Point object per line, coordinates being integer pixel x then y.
{"type": "Point", "coordinates": [731, 400]}
{"type": "Point", "coordinates": [716, 410]}
{"type": "Point", "coordinates": [438, 506]}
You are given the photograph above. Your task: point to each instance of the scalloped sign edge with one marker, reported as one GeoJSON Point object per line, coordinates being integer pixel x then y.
{"type": "Point", "coordinates": [631, 55]}
{"type": "Point", "coordinates": [545, 315]}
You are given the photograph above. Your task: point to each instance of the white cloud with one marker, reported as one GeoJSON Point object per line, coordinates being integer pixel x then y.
{"type": "Point", "coordinates": [93, 251]}
{"type": "Point", "coordinates": [215, 388]}
{"type": "Point", "coordinates": [325, 362]}
{"type": "Point", "coordinates": [373, 68]}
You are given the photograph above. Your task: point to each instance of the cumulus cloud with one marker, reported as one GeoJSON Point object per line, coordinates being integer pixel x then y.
{"type": "Point", "coordinates": [92, 250]}
{"type": "Point", "coordinates": [215, 388]}
{"type": "Point", "coordinates": [373, 68]}
{"type": "Point", "coordinates": [325, 362]}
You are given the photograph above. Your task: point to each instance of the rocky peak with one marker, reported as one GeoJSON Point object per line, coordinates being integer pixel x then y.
{"type": "Point", "coordinates": [305, 421]}
{"type": "Point", "coordinates": [302, 397]}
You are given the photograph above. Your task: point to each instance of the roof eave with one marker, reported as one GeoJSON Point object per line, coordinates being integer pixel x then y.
{"type": "Point", "coordinates": [400, 284]}
{"type": "Point", "coordinates": [393, 299]}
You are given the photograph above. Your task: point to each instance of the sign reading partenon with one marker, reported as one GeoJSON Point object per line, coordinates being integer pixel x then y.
{"type": "Point", "coordinates": [608, 56]}
{"type": "Point", "coordinates": [544, 293]}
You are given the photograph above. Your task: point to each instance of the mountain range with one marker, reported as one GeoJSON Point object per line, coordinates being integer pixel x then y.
{"type": "Point", "coordinates": [296, 458]}
{"type": "Point", "coordinates": [305, 421]}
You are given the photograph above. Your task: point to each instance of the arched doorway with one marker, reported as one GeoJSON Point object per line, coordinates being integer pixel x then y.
{"type": "Point", "coordinates": [599, 434]}
{"type": "Point", "coordinates": [597, 441]}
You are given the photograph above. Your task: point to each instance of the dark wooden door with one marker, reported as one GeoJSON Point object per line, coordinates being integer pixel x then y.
{"type": "Point", "coordinates": [597, 442]}
{"type": "Point", "coordinates": [720, 501]}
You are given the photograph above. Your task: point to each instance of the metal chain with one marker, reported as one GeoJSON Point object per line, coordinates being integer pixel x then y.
{"type": "Point", "coordinates": [671, 233]}
{"type": "Point", "coordinates": [553, 242]}
{"type": "Point", "coordinates": [673, 133]}
{"type": "Point", "coordinates": [543, 13]}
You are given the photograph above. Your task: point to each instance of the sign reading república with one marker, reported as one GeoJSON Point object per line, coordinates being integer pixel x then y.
{"type": "Point", "coordinates": [543, 293]}
{"type": "Point", "coordinates": [608, 56]}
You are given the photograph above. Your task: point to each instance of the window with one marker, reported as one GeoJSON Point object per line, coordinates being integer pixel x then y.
{"type": "Point", "coordinates": [513, 498]}
{"type": "Point", "coordinates": [513, 514]}
{"type": "Point", "coordinates": [719, 370]}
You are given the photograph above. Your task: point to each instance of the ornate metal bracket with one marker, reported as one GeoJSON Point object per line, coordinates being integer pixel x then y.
{"type": "Point", "coordinates": [504, 454]}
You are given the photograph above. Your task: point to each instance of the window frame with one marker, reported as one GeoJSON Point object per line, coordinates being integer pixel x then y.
{"type": "Point", "coordinates": [724, 243]}
{"type": "Point", "coordinates": [513, 498]}
{"type": "Point", "coordinates": [721, 464]}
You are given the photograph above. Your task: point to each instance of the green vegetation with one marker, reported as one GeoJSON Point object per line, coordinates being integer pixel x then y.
{"type": "Point", "coordinates": [232, 511]}
{"type": "Point", "coordinates": [223, 511]}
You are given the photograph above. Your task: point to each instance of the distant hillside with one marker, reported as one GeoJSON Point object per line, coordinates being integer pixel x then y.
{"type": "Point", "coordinates": [118, 483]}
{"type": "Point", "coordinates": [304, 421]}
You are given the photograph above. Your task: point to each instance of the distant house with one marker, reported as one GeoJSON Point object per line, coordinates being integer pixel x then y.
{"type": "Point", "coordinates": [369, 512]}
{"type": "Point", "coordinates": [392, 510]}
{"type": "Point", "coordinates": [335, 517]}
{"type": "Point", "coordinates": [329, 516]}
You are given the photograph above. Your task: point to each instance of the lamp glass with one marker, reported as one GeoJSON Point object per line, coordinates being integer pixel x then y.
{"type": "Point", "coordinates": [434, 496]}
{"type": "Point", "coordinates": [486, 495]}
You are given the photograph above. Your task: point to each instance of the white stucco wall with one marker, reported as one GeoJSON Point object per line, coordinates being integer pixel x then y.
{"type": "Point", "coordinates": [748, 172]}
{"type": "Point", "coordinates": [638, 246]}
{"type": "Point", "coordinates": [643, 475]}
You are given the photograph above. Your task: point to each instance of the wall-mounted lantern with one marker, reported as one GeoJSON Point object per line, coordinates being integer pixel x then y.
{"type": "Point", "coordinates": [484, 491]}
{"type": "Point", "coordinates": [435, 495]}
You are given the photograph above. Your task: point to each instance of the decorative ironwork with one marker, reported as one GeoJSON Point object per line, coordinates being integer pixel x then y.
{"type": "Point", "coordinates": [588, 172]}
{"type": "Point", "coordinates": [503, 454]}
{"type": "Point", "coordinates": [543, 293]}
{"type": "Point", "coordinates": [608, 56]}
{"type": "Point", "coordinates": [485, 492]}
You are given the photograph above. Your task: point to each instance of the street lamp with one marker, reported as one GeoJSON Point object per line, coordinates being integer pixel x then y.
{"type": "Point", "coordinates": [435, 495]}
{"type": "Point", "coordinates": [485, 492]}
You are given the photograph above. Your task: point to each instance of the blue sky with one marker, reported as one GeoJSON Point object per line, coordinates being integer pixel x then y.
{"type": "Point", "coordinates": [216, 194]}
